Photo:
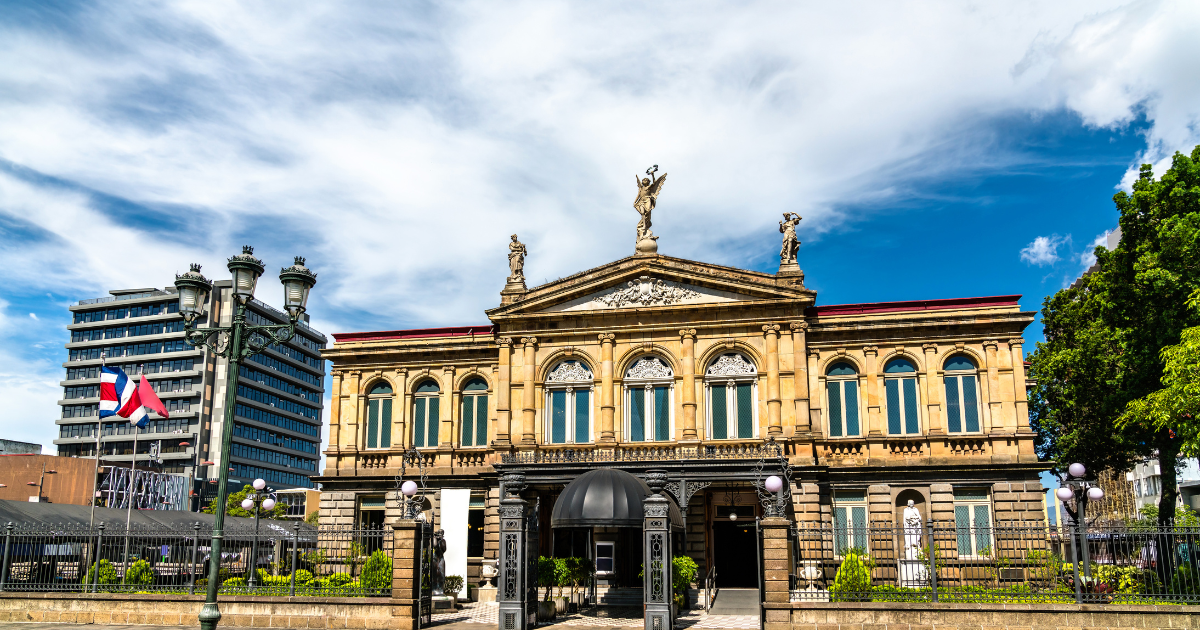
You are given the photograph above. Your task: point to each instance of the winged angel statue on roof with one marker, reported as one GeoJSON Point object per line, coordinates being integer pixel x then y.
{"type": "Point", "coordinates": [648, 189]}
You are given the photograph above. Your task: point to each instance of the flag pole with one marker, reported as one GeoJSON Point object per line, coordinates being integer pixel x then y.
{"type": "Point", "coordinates": [96, 472]}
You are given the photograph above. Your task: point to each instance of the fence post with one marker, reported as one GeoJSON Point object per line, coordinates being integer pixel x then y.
{"type": "Point", "coordinates": [777, 593]}
{"type": "Point", "coordinates": [7, 548]}
{"type": "Point", "coordinates": [929, 540]}
{"type": "Point", "coordinates": [99, 556]}
{"type": "Point", "coordinates": [1075, 562]}
{"type": "Point", "coordinates": [295, 543]}
{"type": "Point", "coordinates": [195, 544]}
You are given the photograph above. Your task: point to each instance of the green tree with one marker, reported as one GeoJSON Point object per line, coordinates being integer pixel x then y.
{"type": "Point", "coordinates": [1106, 333]}
{"type": "Point", "coordinates": [377, 572]}
{"type": "Point", "coordinates": [1177, 405]}
{"type": "Point", "coordinates": [233, 506]}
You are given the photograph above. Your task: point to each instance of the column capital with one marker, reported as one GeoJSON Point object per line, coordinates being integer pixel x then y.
{"type": "Point", "coordinates": [814, 352]}
{"type": "Point", "coordinates": [402, 371]}
{"type": "Point", "coordinates": [606, 337]}
{"type": "Point", "coordinates": [801, 326]}
{"type": "Point", "coordinates": [529, 341]}
{"type": "Point", "coordinates": [993, 343]}
{"type": "Point", "coordinates": [1017, 341]}
{"type": "Point", "coordinates": [504, 341]}
{"type": "Point", "coordinates": [353, 373]}
{"type": "Point", "coordinates": [871, 350]}
{"type": "Point", "coordinates": [335, 373]}
{"type": "Point", "coordinates": [449, 369]}
{"type": "Point", "coordinates": [688, 332]}
{"type": "Point", "coordinates": [929, 347]}
{"type": "Point", "coordinates": [771, 328]}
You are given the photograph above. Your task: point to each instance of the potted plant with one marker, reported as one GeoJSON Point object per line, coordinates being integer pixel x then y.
{"type": "Point", "coordinates": [580, 571]}
{"type": "Point", "coordinates": [546, 578]}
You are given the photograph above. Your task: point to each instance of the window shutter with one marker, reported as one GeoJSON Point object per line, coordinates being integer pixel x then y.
{"type": "Point", "coordinates": [912, 423]}
{"type": "Point", "coordinates": [583, 405]}
{"type": "Point", "coordinates": [468, 420]}
{"type": "Point", "coordinates": [893, 405]}
{"type": "Point", "coordinates": [962, 523]}
{"type": "Point", "coordinates": [834, 393]}
{"type": "Point", "coordinates": [434, 421]}
{"type": "Point", "coordinates": [637, 414]}
{"type": "Point", "coordinates": [385, 423]}
{"type": "Point", "coordinates": [419, 423]}
{"type": "Point", "coordinates": [983, 528]}
{"type": "Point", "coordinates": [662, 414]}
{"type": "Point", "coordinates": [953, 417]}
{"type": "Point", "coordinates": [373, 424]}
{"type": "Point", "coordinates": [481, 424]}
{"type": "Point", "coordinates": [719, 411]}
{"type": "Point", "coordinates": [851, 407]}
{"type": "Point", "coordinates": [970, 404]}
{"type": "Point", "coordinates": [558, 417]}
{"type": "Point", "coordinates": [745, 411]}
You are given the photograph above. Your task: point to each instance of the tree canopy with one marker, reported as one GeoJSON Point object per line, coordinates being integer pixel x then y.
{"type": "Point", "coordinates": [233, 506]}
{"type": "Point", "coordinates": [1105, 334]}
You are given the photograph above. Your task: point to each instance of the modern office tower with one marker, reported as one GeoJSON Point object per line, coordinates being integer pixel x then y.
{"type": "Point", "coordinates": [277, 431]}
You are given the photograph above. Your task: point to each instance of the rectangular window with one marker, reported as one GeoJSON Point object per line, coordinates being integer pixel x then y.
{"type": "Point", "coordinates": [902, 406]}
{"type": "Point", "coordinates": [962, 404]}
{"type": "Point", "coordinates": [425, 421]}
{"type": "Point", "coordinates": [583, 414]}
{"type": "Point", "coordinates": [732, 402]}
{"type": "Point", "coordinates": [637, 418]}
{"type": "Point", "coordinates": [569, 413]}
{"type": "Point", "coordinates": [720, 411]}
{"type": "Point", "coordinates": [373, 424]}
{"type": "Point", "coordinates": [849, 520]}
{"type": "Point", "coordinates": [558, 417]}
{"type": "Point", "coordinates": [474, 420]}
{"type": "Point", "coordinates": [649, 413]}
{"type": "Point", "coordinates": [475, 523]}
{"type": "Point", "coordinates": [662, 414]}
{"type": "Point", "coordinates": [842, 397]}
{"type": "Point", "coordinates": [972, 522]}
{"type": "Point", "coordinates": [605, 558]}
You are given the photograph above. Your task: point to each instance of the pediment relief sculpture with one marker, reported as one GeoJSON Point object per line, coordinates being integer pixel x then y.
{"type": "Point", "coordinates": [649, 367]}
{"type": "Point", "coordinates": [647, 291]}
{"type": "Point", "coordinates": [569, 372]}
{"type": "Point", "coordinates": [731, 365]}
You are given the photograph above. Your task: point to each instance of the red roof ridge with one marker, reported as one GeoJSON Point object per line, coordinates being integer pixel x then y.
{"type": "Point", "coordinates": [913, 305]}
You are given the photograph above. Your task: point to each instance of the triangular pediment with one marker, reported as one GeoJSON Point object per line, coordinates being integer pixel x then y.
{"type": "Point", "coordinates": [640, 282]}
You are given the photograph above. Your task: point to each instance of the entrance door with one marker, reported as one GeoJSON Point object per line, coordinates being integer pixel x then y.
{"type": "Point", "coordinates": [734, 554]}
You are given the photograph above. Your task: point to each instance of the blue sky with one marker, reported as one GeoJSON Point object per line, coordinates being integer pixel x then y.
{"type": "Point", "coordinates": [933, 150]}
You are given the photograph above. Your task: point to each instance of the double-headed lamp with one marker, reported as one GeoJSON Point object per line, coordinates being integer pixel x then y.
{"type": "Point", "coordinates": [774, 484]}
{"type": "Point", "coordinates": [408, 488]}
{"type": "Point", "coordinates": [1095, 494]}
{"type": "Point", "coordinates": [1077, 470]}
{"type": "Point", "coordinates": [193, 290]}
{"type": "Point", "coordinates": [1064, 494]}
{"type": "Point", "coordinates": [297, 281]}
{"type": "Point", "coordinates": [259, 484]}
{"type": "Point", "coordinates": [269, 505]}
{"type": "Point", "coordinates": [245, 269]}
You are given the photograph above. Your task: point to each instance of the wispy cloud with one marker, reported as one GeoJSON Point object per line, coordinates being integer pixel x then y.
{"type": "Point", "coordinates": [1043, 250]}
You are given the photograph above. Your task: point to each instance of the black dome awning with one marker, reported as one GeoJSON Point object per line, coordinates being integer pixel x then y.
{"type": "Point", "coordinates": [606, 497]}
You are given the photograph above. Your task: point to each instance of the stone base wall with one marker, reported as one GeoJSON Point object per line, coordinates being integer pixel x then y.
{"type": "Point", "coordinates": [181, 610]}
{"type": "Point", "coordinates": [906, 616]}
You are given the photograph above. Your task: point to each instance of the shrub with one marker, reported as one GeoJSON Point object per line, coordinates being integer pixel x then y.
{"type": "Point", "coordinates": [339, 579]}
{"type": "Point", "coordinates": [234, 585]}
{"type": "Point", "coordinates": [108, 574]}
{"type": "Point", "coordinates": [303, 577]}
{"type": "Point", "coordinates": [547, 574]}
{"type": "Point", "coordinates": [683, 572]}
{"type": "Point", "coordinates": [853, 579]}
{"type": "Point", "coordinates": [262, 575]}
{"type": "Point", "coordinates": [454, 583]}
{"type": "Point", "coordinates": [139, 573]}
{"type": "Point", "coordinates": [377, 572]}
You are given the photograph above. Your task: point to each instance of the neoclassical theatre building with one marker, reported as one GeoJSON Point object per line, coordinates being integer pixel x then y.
{"type": "Point", "coordinates": [654, 362]}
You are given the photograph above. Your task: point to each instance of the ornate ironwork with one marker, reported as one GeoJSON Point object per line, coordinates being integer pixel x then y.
{"type": "Point", "coordinates": [774, 503]}
{"type": "Point", "coordinates": [683, 490]}
{"type": "Point", "coordinates": [657, 592]}
{"type": "Point", "coordinates": [411, 507]}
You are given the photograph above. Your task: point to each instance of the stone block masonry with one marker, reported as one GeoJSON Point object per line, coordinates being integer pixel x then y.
{"type": "Point", "coordinates": [924, 616]}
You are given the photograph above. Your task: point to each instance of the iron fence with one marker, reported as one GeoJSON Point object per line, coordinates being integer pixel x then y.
{"type": "Point", "coordinates": [975, 561]}
{"type": "Point", "coordinates": [282, 558]}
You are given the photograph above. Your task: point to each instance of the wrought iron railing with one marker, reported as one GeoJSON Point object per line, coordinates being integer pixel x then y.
{"type": "Point", "coordinates": [283, 558]}
{"type": "Point", "coordinates": [647, 452]}
{"type": "Point", "coordinates": [977, 562]}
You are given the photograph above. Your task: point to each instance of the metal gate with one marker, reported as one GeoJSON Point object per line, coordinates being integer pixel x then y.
{"type": "Point", "coordinates": [532, 551]}
{"type": "Point", "coordinates": [425, 543]}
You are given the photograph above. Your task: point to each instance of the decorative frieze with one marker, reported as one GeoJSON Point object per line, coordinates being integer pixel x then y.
{"type": "Point", "coordinates": [731, 365]}
{"type": "Point", "coordinates": [569, 371]}
{"type": "Point", "coordinates": [649, 367]}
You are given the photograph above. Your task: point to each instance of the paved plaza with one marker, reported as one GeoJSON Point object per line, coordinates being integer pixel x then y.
{"type": "Point", "coordinates": [605, 617]}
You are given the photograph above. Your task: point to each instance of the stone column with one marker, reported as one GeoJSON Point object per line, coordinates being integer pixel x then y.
{"type": "Point", "coordinates": [994, 419]}
{"type": "Point", "coordinates": [656, 530]}
{"type": "Point", "coordinates": [449, 417]}
{"type": "Point", "coordinates": [504, 394]}
{"type": "Point", "coordinates": [529, 403]}
{"type": "Point", "coordinates": [933, 390]}
{"type": "Point", "coordinates": [800, 367]}
{"type": "Point", "coordinates": [688, 360]}
{"type": "Point", "coordinates": [775, 568]}
{"type": "Point", "coordinates": [406, 580]}
{"type": "Point", "coordinates": [774, 419]}
{"type": "Point", "coordinates": [607, 408]}
{"type": "Point", "coordinates": [399, 413]}
{"type": "Point", "coordinates": [873, 417]}
{"type": "Point", "coordinates": [1018, 375]}
{"type": "Point", "coordinates": [815, 424]}
{"type": "Point", "coordinates": [512, 581]}
{"type": "Point", "coordinates": [335, 408]}
{"type": "Point", "coordinates": [349, 417]}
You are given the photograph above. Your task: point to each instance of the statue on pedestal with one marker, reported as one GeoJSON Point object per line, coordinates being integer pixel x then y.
{"type": "Point", "coordinates": [516, 261]}
{"type": "Point", "coordinates": [648, 189]}
{"type": "Point", "coordinates": [912, 531]}
{"type": "Point", "coordinates": [791, 244]}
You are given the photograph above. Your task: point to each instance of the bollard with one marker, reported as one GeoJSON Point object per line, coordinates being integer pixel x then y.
{"type": "Point", "coordinates": [295, 543]}
{"type": "Point", "coordinates": [99, 555]}
{"type": "Point", "coordinates": [195, 544]}
{"type": "Point", "coordinates": [7, 549]}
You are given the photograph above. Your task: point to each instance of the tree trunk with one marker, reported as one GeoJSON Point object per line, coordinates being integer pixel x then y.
{"type": "Point", "coordinates": [1168, 452]}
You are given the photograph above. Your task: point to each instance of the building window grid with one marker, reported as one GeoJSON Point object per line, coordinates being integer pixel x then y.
{"type": "Point", "coordinates": [731, 398]}
{"type": "Point", "coordinates": [568, 404]}
{"type": "Point", "coordinates": [288, 369]}
{"type": "Point", "coordinates": [146, 310]}
{"type": "Point", "coordinates": [267, 398]}
{"type": "Point", "coordinates": [276, 476]}
{"type": "Point", "coordinates": [278, 383]}
{"type": "Point", "coordinates": [379, 417]}
{"type": "Point", "coordinates": [474, 414]}
{"type": "Point", "coordinates": [275, 439]}
{"type": "Point", "coordinates": [245, 451]}
{"type": "Point", "coordinates": [842, 401]}
{"type": "Point", "coordinates": [247, 412]}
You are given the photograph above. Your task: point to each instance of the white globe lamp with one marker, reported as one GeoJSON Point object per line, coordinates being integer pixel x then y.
{"type": "Point", "coordinates": [259, 484]}
{"type": "Point", "coordinates": [247, 504]}
{"type": "Point", "coordinates": [733, 516]}
{"type": "Point", "coordinates": [1064, 494]}
{"type": "Point", "coordinates": [408, 488]}
{"type": "Point", "coordinates": [1077, 470]}
{"type": "Point", "coordinates": [774, 484]}
{"type": "Point", "coordinates": [1095, 494]}
{"type": "Point", "coordinates": [269, 504]}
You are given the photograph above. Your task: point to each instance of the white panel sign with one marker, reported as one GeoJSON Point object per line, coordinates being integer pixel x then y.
{"type": "Point", "coordinates": [455, 504]}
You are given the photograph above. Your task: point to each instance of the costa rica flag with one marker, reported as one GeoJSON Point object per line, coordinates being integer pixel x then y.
{"type": "Point", "coordinates": [120, 397]}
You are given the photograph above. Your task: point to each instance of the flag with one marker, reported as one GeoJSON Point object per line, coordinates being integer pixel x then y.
{"type": "Point", "coordinates": [120, 397]}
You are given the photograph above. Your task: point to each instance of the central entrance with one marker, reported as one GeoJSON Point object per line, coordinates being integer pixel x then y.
{"type": "Point", "coordinates": [734, 553]}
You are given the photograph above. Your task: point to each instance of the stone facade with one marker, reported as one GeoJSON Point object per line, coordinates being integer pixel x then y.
{"type": "Point", "coordinates": [789, 355]}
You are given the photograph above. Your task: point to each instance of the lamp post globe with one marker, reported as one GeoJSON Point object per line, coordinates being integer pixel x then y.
{"type": "Point", "coordinates": [774, 484]}
{"type": "Point", "coordinates": [269, 504]}
{"type": "Point", "coordinates": [297, 281]}
{"type": "Point", "coordinates": [259, 484]}
{"type": "Point", "coordinates": [247, 504]}
{"type": "Point", "coordinates": [245, 269]}
{"type": "Point", "coordinates": [1064, 494]}
{"type": "Point", "coordinates": [733, 516]}
{"type": "Point", "coordinates": [1095, 494]}
{"type": "Point", "coordinates": [193, 289]}
{"type": "Point", "coordinates": [1077, 470]}
{"type": "Point", "coordinates": [408, 488]}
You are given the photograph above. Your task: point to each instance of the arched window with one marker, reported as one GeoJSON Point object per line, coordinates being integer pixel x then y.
{"type": "Point", "coordinates": [426, 402]}
{"type": "Point", "coordinates": [841, 391]}
{"type": "Point", "coordinates": [474, 413]}
{"type": "Point", "coordinates": [648, 386]}
{"type": "Point", "coordinates": [379, 416]}
{"type": "Point", "coordinates": [962, 397]}
{"type": "Point", "coordinates": [569, 404]}
{"type": "Point", "coordinates": [900, 388]}
{"type": "Point", "coordinates": [730, 383]}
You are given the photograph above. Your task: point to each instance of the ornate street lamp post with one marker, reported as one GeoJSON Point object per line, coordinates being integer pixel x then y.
{"type": "Point", "coordinates": [235, 343]}
{"type": "Point", "coordinates": [1075, 487]}
{"type": "Point", "coordinates": [258, 502]}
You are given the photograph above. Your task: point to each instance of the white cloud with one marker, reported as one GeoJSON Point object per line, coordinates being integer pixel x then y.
{"type": "Point", "coordinates": [1043, 250]}
{"type": "Point", "coordinates": [28, 382]}
{"type": "Point", "coordinates": [33, 316]}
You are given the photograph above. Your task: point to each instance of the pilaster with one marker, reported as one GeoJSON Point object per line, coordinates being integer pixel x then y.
{"type": "Point", "coordinates": [607, 408]}
{"type": "Point", "coordinates": [800, 354]}
{"type": "Point", "coordinates": [815, 422]}
{"type": "Point", "coordinates": [688, 361]}
{"type": "Point", "coordinates": [529, 401]}
{"type": "Point", "coordinates": [933, 389]}
{"type": "Point", "coordinates": [335, 408]}
{"type": "Point", "coordinates": [400, 411]}
{"type": "Point", "coordinates": [450, 403]}
{"type": "Point", "coordinates": [874, 418]}
{"type": "Point", "coordinates": [503, 431]}
{"type": "Point", "coordinates": [774, 419]}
